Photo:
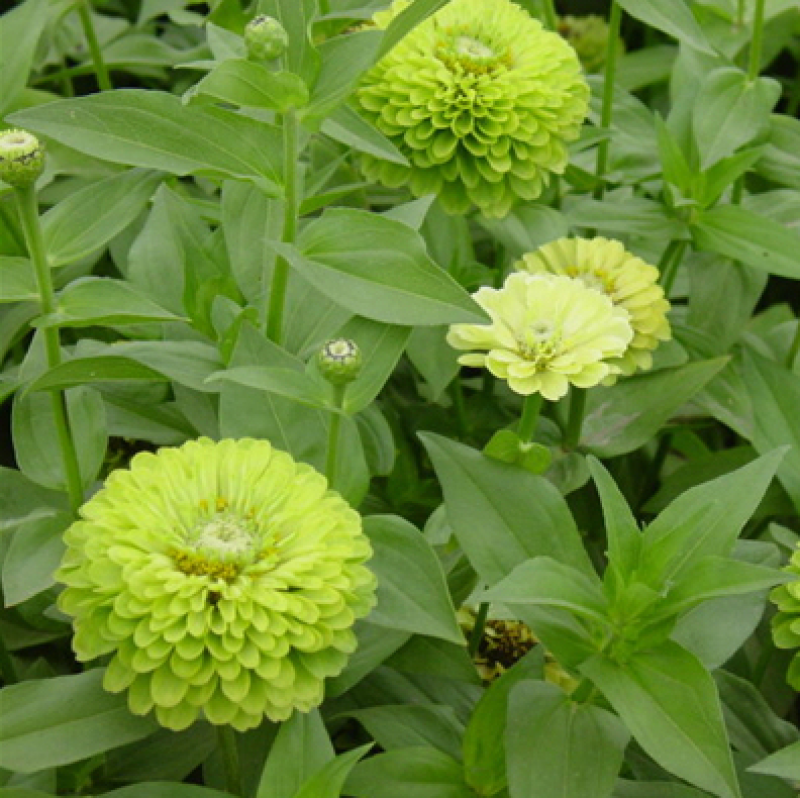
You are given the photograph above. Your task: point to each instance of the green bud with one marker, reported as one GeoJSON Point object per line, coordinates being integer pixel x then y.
{"type": "Point", "coordinates": [21, 158]}
{"type": "Point", "coordinates": [339, 361]}
{"type": "Point", "coordinates": [265, 38]}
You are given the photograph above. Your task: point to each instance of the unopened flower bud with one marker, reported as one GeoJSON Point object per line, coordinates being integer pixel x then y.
{"type": "Point", "coordinates": [339, 361]}
{"type": "Point", "coordinates": [21, 158]}
{"type": "Point", "coordinates": [265, 38]}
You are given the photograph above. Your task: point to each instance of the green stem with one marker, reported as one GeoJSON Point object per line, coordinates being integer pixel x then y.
{"type": "Point", "coordinates": [226, 738]}
{"type": "Point", "coordinates": [29, 216]}
{"type": "Point", "coordinates": [794, 348]}
{"type": "Point", "coordinates": [530, 416]}
{"type": "Point", "coordinates": [550, 16]}
{"type": "Point", "coordinates": [103, 81]}
{"type": "Point", "coordinates": [754, 62]}
{"type": "Point", "coordinates": [459, 408]}
{"type": "Point", "coordinates": [740, 5]}
{"type": "Point", "coordinates": [607, 111]}
{"type": "Point", "coordinates": [280, 276]}
{"type": "Point", "coordinates": [476, 635]}
{"type": "Point", "coordinates": [584, 692]}
{"type": "Point", "coordinates": [333, 433]}
{"type": "Point", "coordinates": [577, 408]}
{"type": "Point", "coordinates": [669, 263]}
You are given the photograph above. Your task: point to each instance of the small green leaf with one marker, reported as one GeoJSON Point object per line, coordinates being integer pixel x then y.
{"type": "Point", "coordinates": [347, 127]}
{"type": "Point", "coordinates": [56, 721]}
{"type": "Point", "coordinates": [412, 591]}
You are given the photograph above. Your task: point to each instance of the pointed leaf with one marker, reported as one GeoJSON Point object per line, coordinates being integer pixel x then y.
{"type": "Point", "coordinates": [284, 382]}
{"type": "Point", "coordinates": [91, 370]}
{"type": "Point", "coordinates": [17, 280]}
{"type": "Point", "coordinates": [329, 780]}
{"type": "Point", "coordinates": [784, 763]}
{"type": "Point", "coordinates": [671, 16]}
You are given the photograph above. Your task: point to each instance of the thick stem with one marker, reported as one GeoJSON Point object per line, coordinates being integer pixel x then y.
{"type": "Point", "coordinates": [607, 110]}
{"type": "Point", "coordinates": [477, 630]}
{"type": "Point", "coordinates": [577, 407]}
{"type": "Point", "coordinates": [530, 417]}
{"type": "Point", "coordinates": [280, 276]}
{"type": "Point", "coordinates": [85, 13]}
{"type": "Point", "coordinates": [333, 434]}
{"type": "Point", "coordinates": [29, 216]}
{"type": "Point", "coordinates": [226, 737]}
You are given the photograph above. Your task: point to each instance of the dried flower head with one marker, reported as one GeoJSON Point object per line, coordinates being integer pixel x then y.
{"type": "Point", "coordinates": [589, 37]}
{"type": "Point", "coordinates": [547, 332]}
{"type": "Point", "coordinates": [628, 281]}
{"type": "Point", "coordinates": [222, 578]}
{"type": "Point", "coordinates": [21, 158]}
{"type": "Point", "coordinates": [480, 99]}
{"type": "Point", "coordinates": [786, 623]}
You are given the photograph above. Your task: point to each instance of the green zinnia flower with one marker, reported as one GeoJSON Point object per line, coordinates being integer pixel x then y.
{"type": "Point", "coordinates": [546, 333]}
{"type": "Point", "coordinates": [480, 99]}
{"type": "Point", "coordinates": [222, 578]}
{"type": "Point", "coordinates": [786, 624]}
{"type": "Point", "coordinates": [630, 283]}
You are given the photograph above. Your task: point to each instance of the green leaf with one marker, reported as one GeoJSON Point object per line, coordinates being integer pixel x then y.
{"type": "Point", "coordinates": [418, 771]}
{"type": "Point", "coordinates": [484, 739]}
{"type": "Point", "coordinates": [675, 164]}
{"type": "Point", "coordinates": [17, 280]}
{"type": "Point", "coordinates": [20, 29]}
{"type": "Point", "coordinates": [284, 382]}
{"type": "Point", "coordinates": [781, 160]}
{"type": "Point", "coordinates": [301, 748]}
{"type": "Point", "coordinates": [95, 301]}
{"type": "Point", "coordinates": [731, 110]}
{"type": "Point", "coordinates": [344, 61]}
{"type": "Point", "coordinates": [412, 591]}
{"type": "Point", "coordinates": [56, 721]}
{"type": "Point", "coordinates": [749, 237]}
{"type": "Point", "coordinates": [91, 370]}
{"type": "Point", "coordinates": [624, 215]}
{"type": "Point", "coordinates": [626, 416]}
{"type": "Point", "coordinates": [784, 763]}
{"type": "Point", "coordinates": [297, 17]}
{"type": "Point", "coordinates": [556, 748]}
{"type": "Point", "coordinates": [671, 16]}
{"type": "Point", "coordinates": [775, 394]}
{"type": "Point", "coordinates": [155, 130]}
{"type": "Point", "coordinates": [251, 84]}
{"type": "Point", "coordinates": [329, 780]}
{"type": "Point", "coordinates": [22, 499]}
{"type": "Point", "coordinates": [405, 725]}
{"type": "Point", "coordinates": [165, 790]}
{"type": "Point", "coordinates": [652, 789]}
{"type": "Point", "coordinates": [378, 268]}
{"type": "Point", "coordinates": [704, 521]}
{"type": "Point", "coordinates": [87, 220]}
{"type": "Point", "coordinates": [34, 554]}
{"type": "Point", "coordinates": [669, 703]}
{"type": "Point", "coordinates": [624, 537]}
{"type": "Point", "coordinates": [501, 514]}
{"type": "Point", "coordinates": [347, 127]}
{"type": "Point", "coordinates": [546, 582]}
{"type": "Point", "coordinates": [412, 16]}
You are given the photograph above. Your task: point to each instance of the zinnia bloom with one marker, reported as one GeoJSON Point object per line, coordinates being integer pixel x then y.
{"type": "Point", "coordinates": [786, 624]}
{"type": "Point", "coordinates": [481, 100]}
{"type": "Point", "coordinates": [547, 332]}
{"type": "Point", "coordinates": [222, 578]}
{"type": "Point", "coordinates": [628, 281]}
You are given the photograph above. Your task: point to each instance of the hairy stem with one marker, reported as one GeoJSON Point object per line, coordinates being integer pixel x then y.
{"type": "Point", "coordinates": [280, 276]}
{"type": "Point", "coordinates": [29, 216]}
{"type": "Point", "coordinates": [100, 70]}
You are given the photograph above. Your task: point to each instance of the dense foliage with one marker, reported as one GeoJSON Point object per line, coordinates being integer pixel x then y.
{"type": "Point", "coordinates": [403, 399]}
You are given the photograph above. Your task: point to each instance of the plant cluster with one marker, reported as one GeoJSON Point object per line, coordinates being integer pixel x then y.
{"type": "Point", "coordinates": [403, 399]}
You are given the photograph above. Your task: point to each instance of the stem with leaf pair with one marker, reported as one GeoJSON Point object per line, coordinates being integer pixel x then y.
{"type": "Point", "coordinates": [31, 227]}
{"type": "Point", "coordinates": [280, 275]}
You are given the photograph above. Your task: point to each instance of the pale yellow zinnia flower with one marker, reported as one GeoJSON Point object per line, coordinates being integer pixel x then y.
{"type": "Point", "coordinates": [629, 282]}
{"type": "Point", "coordinates": [547, 332]}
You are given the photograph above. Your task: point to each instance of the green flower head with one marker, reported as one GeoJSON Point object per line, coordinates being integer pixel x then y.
{"type": "Point", "coordinates": [786, 623]}
{"type": "Point", "coordinates": [265, 38]}
{"type": "Point", "coordinates": [340, 361]}
{"type": "Point", "coordinates": [482, 102]}
{"type": "Point", "coordinates": [222, 579]}
{"type": "Point", "coordinates": [547, 332]}
{"type": "Point", "coordinates": [629, 282]}
{"type": "Point", "coordinates": [589, 36]}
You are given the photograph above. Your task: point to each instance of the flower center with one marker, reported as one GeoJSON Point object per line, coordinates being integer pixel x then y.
{"type": "Point", "coordinates": [468, 54]}
{"type": "Point", "coordinates": [539, 343]}
{"type": "Point", "coordinates": [473, 49]}
{"type": "Point", "coordinates": [600, 279]}
{"type": "Point", "coordinates": [225, 536]}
